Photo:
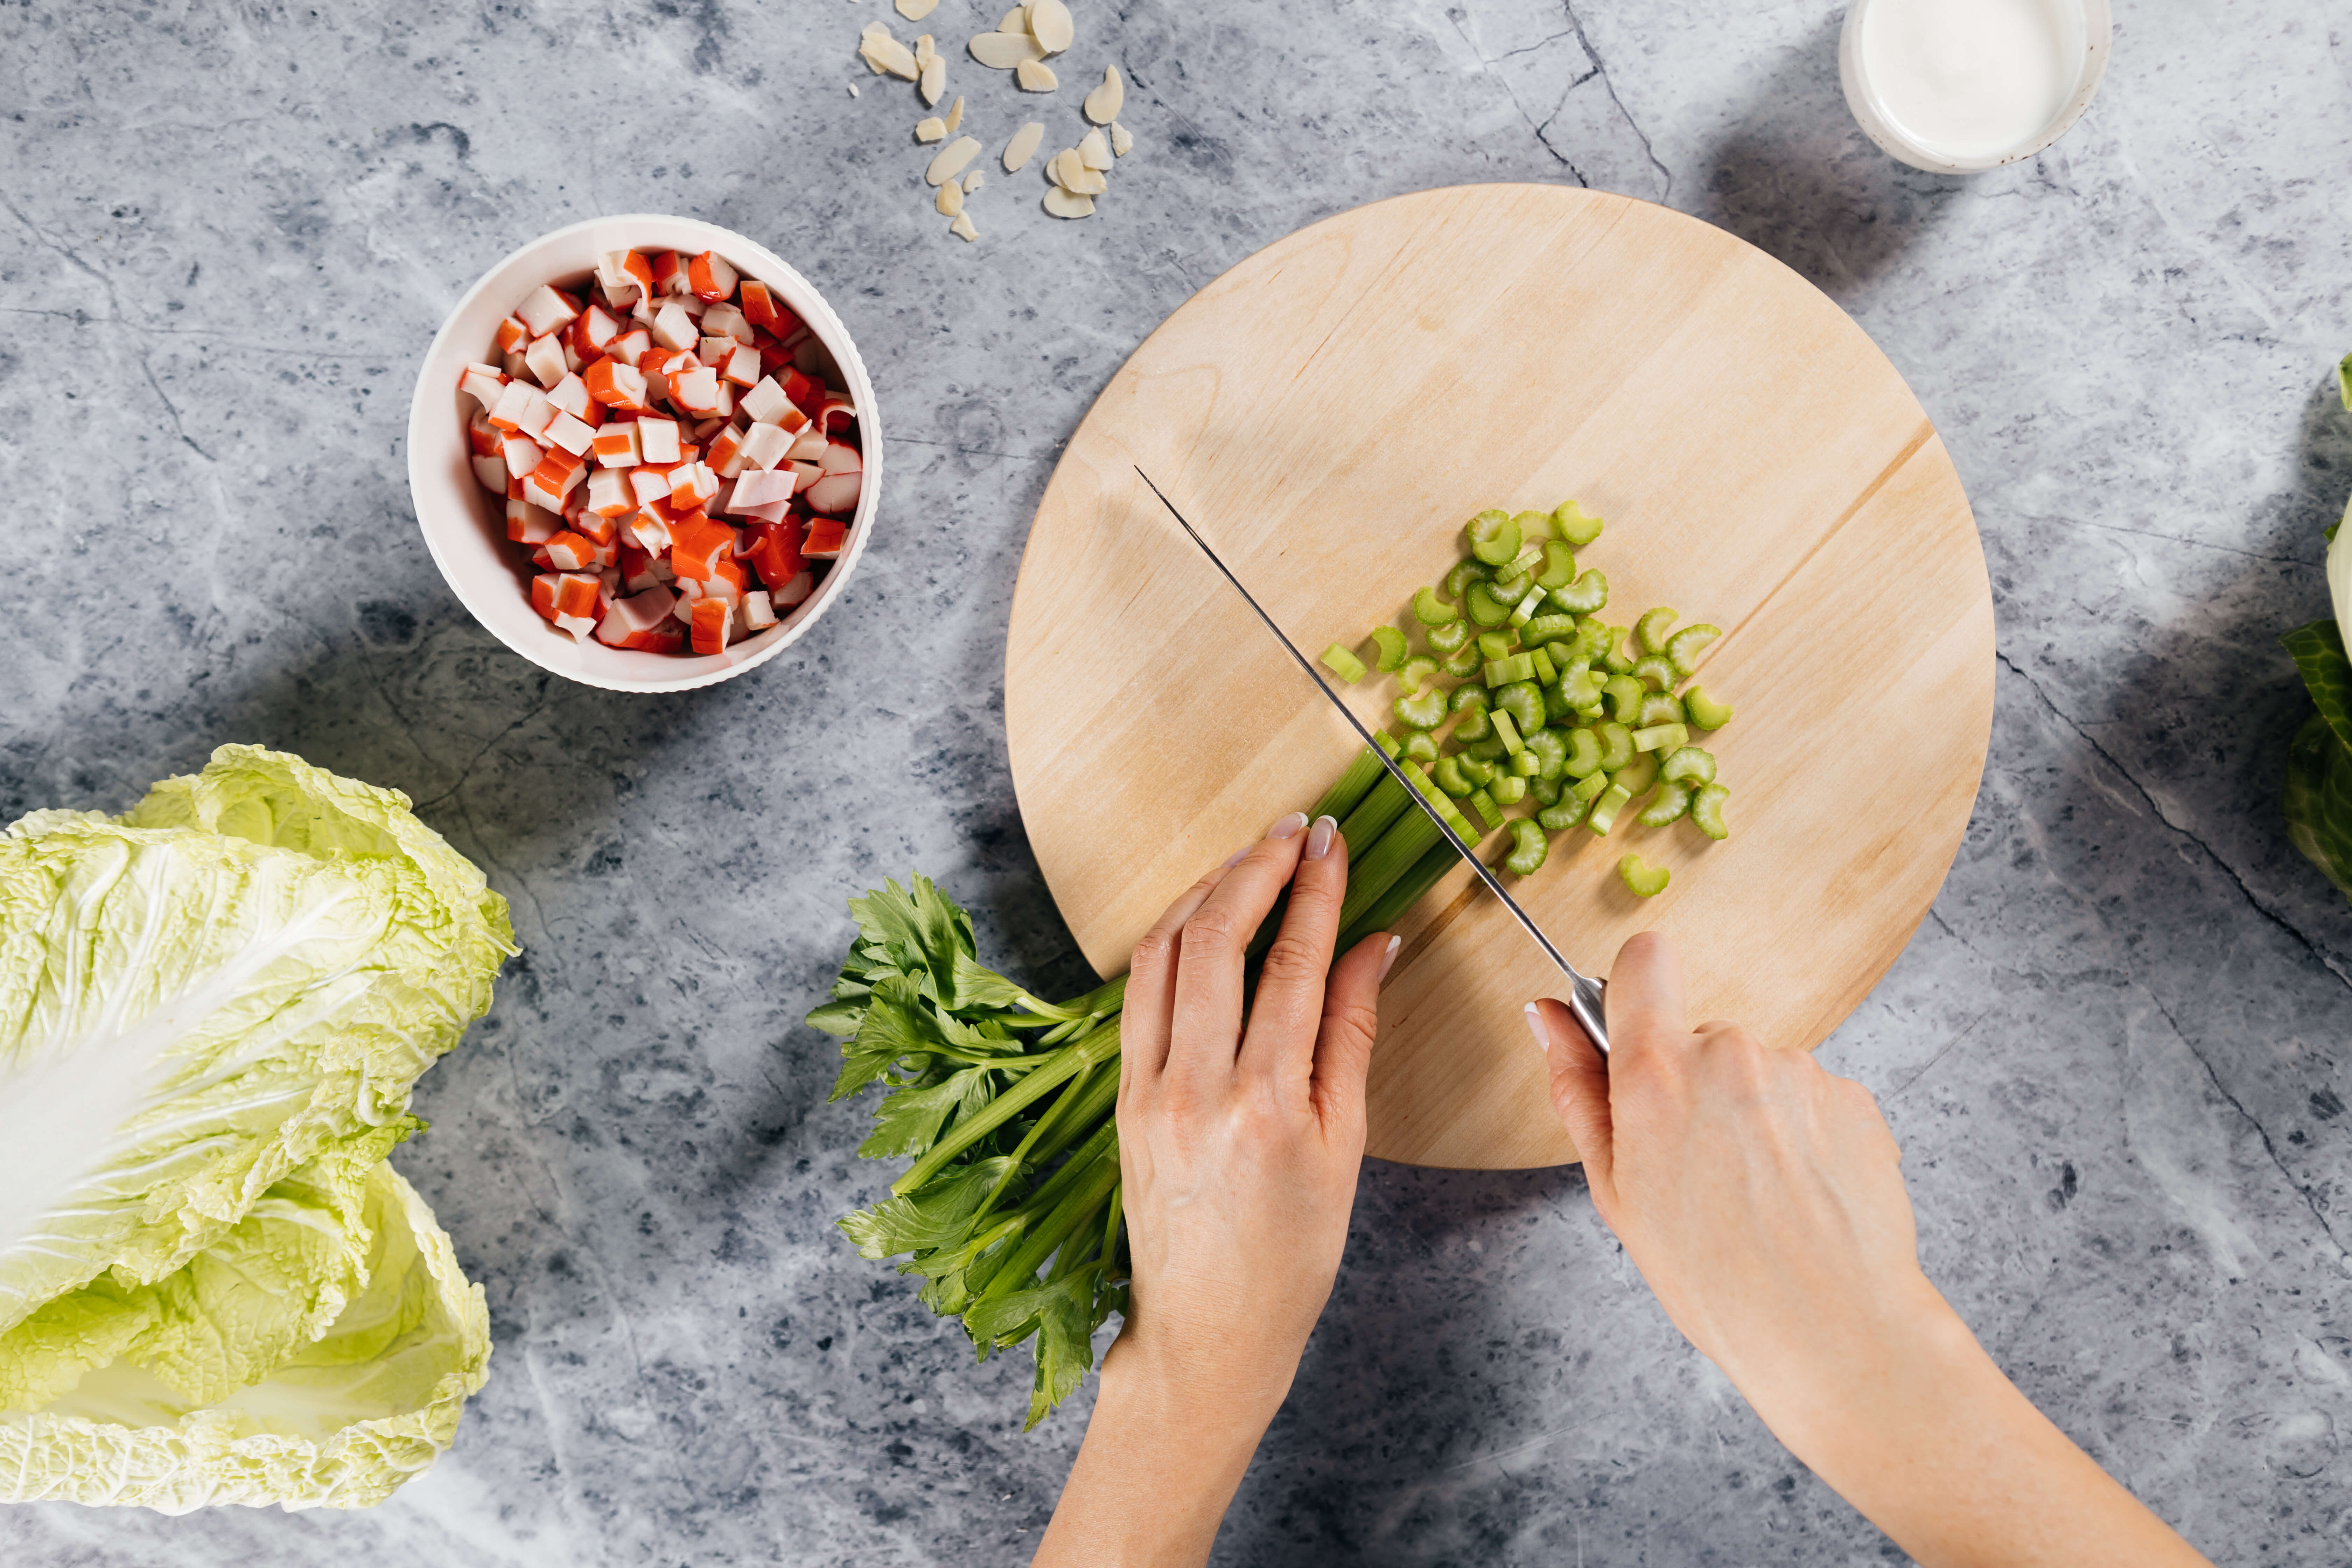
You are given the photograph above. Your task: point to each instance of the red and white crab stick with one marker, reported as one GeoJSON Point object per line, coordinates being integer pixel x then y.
{"type": "Point", "coordinates": [678, 480]}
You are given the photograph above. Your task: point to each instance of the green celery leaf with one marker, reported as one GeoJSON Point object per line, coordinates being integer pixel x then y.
{"type": "Point", "coordinates": [920, 925]}
{"type": "Point", "coordinates": [2317, 800]}
{"type": "Point", "coordinates": [1062, 1316]}
{"type": "Point", "coordinates": [2318, 650]}
{"type": "Point", "coordinates": [839, 1018]}
{"type": "Point", "coordinates": [936, 1215]}
{"type": "Point", "coordinates": [908, 1120]}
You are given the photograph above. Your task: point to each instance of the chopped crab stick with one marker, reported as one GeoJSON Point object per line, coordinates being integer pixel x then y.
{"type": "Point", "coordinates": [766, 311]}
{"type": "Point", "coordinates": [709, 277]}
{"type": "Point", "coordinates": [841, 474]}
{"type": "Point", "coordinates": [485, 383]}
{"type": "Point", "coordinates": [617, 385]}
{"type": "Point", "coordinates": [657, 441]}
{"type": "Point", "coordinates": [714, 621]}
{"type": "Point", "coordinates": [543, 310]}
{"type": "Point", "coordinates": [615, 446]}
{"type": "Point", "coordinates": [633, 621]}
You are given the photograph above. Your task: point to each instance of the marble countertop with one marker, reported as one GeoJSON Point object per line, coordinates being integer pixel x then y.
{"type": "Point", "coordinates": [2119, 1052]}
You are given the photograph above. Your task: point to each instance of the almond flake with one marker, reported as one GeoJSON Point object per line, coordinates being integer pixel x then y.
{"type": "Point", "coordinates": [916, 10]}
{"type": "Point", "coordinates": [1035, 76]}
{"type": "Point", "coordinates": [972, 182]}
{"type": "Point", "coordinates": [1081, 181]}
{"type": "Point", "coordinates": [950, 159]}
{"type": "Point", "coordinates": [949, 201]}
{"type": "Point", "coordinates": [935, 79]}
{"type": "Point", "coordinates": [955, 113]}
{"type": "Point", "coordinates": [1049, 24]}
{"type": "Point", "coordinates": [1102, 104]}
{"type": "Point", "coordinates": [1002, 51]}
{"type": "Point", "coordinates": [1024, 145]}
{"type": "Point", "coordinates": [931, 129]}
{"type": "Point", "coordinates": [961, 228]}
{"type": "Point", "coordinates": [1093, 150]}
{"type": "Point", "coordinates": [1120, 140]}
{"type": "Point", "coordinates": [1061, 204]}
{"type": "Point", "coordinates": [924, 50]}
{"type": "Point", "coordinates": [1015, 20]}
{"type": "Point", "coordinates": [885, 53]}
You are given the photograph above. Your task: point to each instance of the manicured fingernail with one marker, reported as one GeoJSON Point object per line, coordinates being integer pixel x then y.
{"type": "Point", "coordinates": [1234, 858]}
{"type": "Point", "coordinates": [1535, 1028]}
{"type": "Point", "coordinates": [1288, 826]}
{"type": "Point", "coordinates": [1388, 959]}
{"type": "Point", "coordinates": [1318, 840]}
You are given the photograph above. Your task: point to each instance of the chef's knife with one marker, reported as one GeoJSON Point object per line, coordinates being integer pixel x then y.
{"type": "Point", "coordinates": [1584, 993]}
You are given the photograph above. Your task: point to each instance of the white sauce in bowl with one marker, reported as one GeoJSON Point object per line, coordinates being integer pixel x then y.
{"type": "Point", "coordinates": [1973, 79]}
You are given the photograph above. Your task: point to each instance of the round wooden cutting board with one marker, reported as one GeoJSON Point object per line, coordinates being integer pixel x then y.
{"type": "Point", "coordinates": [1328, 414]}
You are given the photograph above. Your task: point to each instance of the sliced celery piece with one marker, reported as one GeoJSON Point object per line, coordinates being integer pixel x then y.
{"type": "Point", "coordinates": [1489, 812]}
{"type": "Point", "coordinates": [1478, 770]}
{"type": "Point", "coordinates": [1545, 672]}
{"type": "Point", "coordinates": [1641, 882]}
{"type": "Point", "coordinates": [1616, 745]}
{"type": "Point", "coordinates": [1449, 638]}
{"type": "Point", "coordinates": [1529, 763]}
{"type": "Point", "coordinates": [1559, 565]}
{"type": "Point", "coordinates": [1525, 610]}
{"type": "Point", "coordinates": [1523, 701]}
{"type": "Point", "coordinates": [1590, 787]}
{"type": "Point", "coordinates": [1656, 671]}
{"type": "Point", "coordinates": [1652, 628]}
{"type": "Point", "coordinates": [1424, 709]}
{"type": "Point", "coordinates": [1502, 672]}
{"type": "Point", "coordinates": [1544, 791]}
{"type": "Point", "coordinates": [1625, 694]}
{"type": "Point", "coordinates": [1392, 646]}
{"type": "Point", "coordinates": [1420, 747]}
{"type": "Point", "coordinates": [1636, 777]}
{"type": "Point", "coordinates": [1705, 712]}
{"type": "Point", "coordinates": [1551, 748]}
{"type": "Point", "coordinates": [1569, 521]}
{"type": "Point", "coordinates": [1494, 536]}
{"type": "Point", "coordinates": [1564, 812]}
{"type": "Point", "coordinates": [1463, 662]}
{"type": "Point", "coordinates": [1542, 629]}
{"type": "Point", "coordinates": [1415, 673]}
{"type": "Point", "coordinates": [1509, 790]}
{"type": "Point", "coordinates": [1657, 708]}
{"type": "Point", "coordinates": [1685, 646]}
{"type": "Point", "coordinates": [1448, 776]}
{"type": "Point", "coordinates": [1583, 687]}
{"type": "Point", "coordinates": [1343, 664]}
{"type": "Point", "coordinates": [1674, 799]}
{"type": "Point", "coordinates": [1583, 754]}
{"type": "Point", "coordinates": [1706, 810]}
{"type": "Point", "coordinates": [1534, 527]}
{"type": "Point", "coordinates": [1604, 811]}
{"type": "Point", "coordinates": [1457, 581]}
{"type": "Point", "coordinates": [1431, 611]}
{"type": "Point", "coordinates": [1690, 763]}
{"type": "Point", "coordinates": [1588, 594]}
{"type": "Point", "coordinates": [1528, 847]}
{"type": "Point", "coordinates": [1506, 732]}
{"type": "Point", "coordinates": [1495, 644]}
{"type": "Point", "coordinates": [1660, 738]}
{"type": "Point", "coordinates": [1484, 606]}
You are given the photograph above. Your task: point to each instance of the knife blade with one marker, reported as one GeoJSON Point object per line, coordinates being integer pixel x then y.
{"type": "Point", "coordinates": [1585, 998]}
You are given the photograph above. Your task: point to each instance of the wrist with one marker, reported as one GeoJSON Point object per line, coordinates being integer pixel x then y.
{"type": "Point", "coordinates": [1211, 1410]}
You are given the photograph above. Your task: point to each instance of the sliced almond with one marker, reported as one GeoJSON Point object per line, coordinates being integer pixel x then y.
{"type": "Point", "coordinates": [1083, 181]}
{"type": "Point", "coordinates": [885, 53]}
{"type": "Point", "coordinates": [916, 10]}
{"type": "Point", "coordinates": [1094, 152]}
{"type": "Point", "coordinates": [931, 129]}
{"type": "Point", "coordinates": [955, 113]}
{"type": "Point", "coordinates": [1024, 145]}
{"type": "Point", "coordinates": [935, 79]}
{"type": "Point", "coordinates": [961, 228]}
{"type": "Point", "coordinates": [951, 160]}
{"type": "Point", "coordinates": [1049, 24]}
{"type": "Point", "coordinates": [1035, 76]}
{"type": "Point", "coordinates": [1015, 20]}
{"type": "Point", "coordinates": [949, 201]}
{"type": "Point", "coordinates": [1002, 51]}
{"type": "Point", "coordinates": [972, 182]}
{"type": "Point", "coordinates": [1102, 104]}
{"type": "Point", "coordinates": [1059, 168]}
{"type": "Point", "coordinates": [1061, 204]}
{"type": "Point", "coordinates": [1120, 140]}
{"type": "Point", "coordinates": [924, 51]}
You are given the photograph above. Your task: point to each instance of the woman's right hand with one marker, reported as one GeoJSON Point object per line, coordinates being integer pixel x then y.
{"type": "Point", "coordinates": [1762, 1198]}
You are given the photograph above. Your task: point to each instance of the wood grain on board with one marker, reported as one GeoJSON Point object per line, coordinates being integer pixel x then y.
{"type": "Point", "coordinates": [1329, 413]}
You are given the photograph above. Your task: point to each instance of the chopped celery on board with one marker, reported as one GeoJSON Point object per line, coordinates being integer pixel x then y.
{"type": "Point", "coordinates": [1641, 882]}
{"type": "Point", "coordinates": [1343, 664]}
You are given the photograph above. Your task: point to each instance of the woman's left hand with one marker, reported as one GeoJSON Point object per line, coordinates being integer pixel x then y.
{"type": "Point", "coordinates": [1241, 1132]}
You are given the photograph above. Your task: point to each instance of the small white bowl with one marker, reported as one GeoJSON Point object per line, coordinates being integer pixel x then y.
{"type": "Point", "coordinates": [465, 525]}
{"type": "Point", "coordinates": [1884, 127]}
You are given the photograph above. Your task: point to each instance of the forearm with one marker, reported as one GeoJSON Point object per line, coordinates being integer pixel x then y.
{"type": "Point", "coordinates": [1924, 1435]}
{"type": "Point", "coordinates": [1159, 1464]}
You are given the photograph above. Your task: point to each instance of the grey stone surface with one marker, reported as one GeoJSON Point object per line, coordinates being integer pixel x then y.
{"type": "Point", "coordinates": [2117, 1053]}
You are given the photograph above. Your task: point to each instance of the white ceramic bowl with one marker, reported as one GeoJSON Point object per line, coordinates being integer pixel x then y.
{"type": "Point", "coordinates": [1882, 126]}
{"type": "Point", "coordinates": [465, 525]}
